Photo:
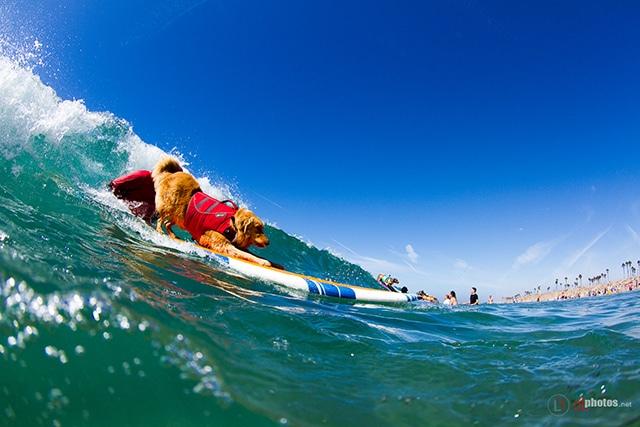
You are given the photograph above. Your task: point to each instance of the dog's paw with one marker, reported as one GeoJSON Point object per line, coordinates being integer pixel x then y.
{"type": "Point", "coordinates": [263, 262]}
{"type": "Point", "coordinates": [266, 263]}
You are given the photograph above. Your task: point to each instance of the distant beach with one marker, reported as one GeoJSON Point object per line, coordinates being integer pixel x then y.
{"type": "Point", "coordinates": [624, 285]}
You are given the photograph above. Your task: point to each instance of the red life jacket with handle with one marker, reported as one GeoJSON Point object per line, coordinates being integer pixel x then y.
{"type": "Point", "coordinates": [206, 213]}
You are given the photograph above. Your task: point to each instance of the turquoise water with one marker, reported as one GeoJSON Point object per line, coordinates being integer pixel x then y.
{"type": "Point", "coordinates": [104, 322]}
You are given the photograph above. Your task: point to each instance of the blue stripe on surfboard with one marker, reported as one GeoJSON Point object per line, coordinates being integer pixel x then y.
{"type": "Point", "coordinates": [330, 290]}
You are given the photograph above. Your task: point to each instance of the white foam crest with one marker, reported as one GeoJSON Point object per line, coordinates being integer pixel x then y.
{"type": "Point", "coordinates": [28, 107]}
{"type": "Point", "coordinates": [58, 120]}
{"type": "Point", "coordinates": [141, 155]}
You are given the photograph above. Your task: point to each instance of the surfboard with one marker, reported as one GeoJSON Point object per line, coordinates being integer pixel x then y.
{"type": "Point", "coordinates": [307, 284]}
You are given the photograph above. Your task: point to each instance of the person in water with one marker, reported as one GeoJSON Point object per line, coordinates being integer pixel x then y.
{"type": "Point", "coordinates": [452, 298]}
{"type": "Point", "coordinates": [474, 299]}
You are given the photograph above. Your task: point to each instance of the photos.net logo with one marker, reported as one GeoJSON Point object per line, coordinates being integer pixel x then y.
{"type": "Point", "coordinates": [560, 405]}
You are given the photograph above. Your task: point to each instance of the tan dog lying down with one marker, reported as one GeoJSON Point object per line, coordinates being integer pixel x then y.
{"type": "Point", "coordinates": [213, 224]}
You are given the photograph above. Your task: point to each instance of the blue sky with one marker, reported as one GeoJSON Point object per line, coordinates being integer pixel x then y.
{"type": "Point", "coordinates": [448, 143]}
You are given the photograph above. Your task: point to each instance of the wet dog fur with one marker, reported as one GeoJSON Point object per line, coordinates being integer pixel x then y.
{"type": "Point", "coordinates": [174, 189]}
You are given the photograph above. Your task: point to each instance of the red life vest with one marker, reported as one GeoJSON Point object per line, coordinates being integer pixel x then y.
{"type": "Point", "coordinates": [136, 189]}
{"type": "Point", "coordinates": [206, 213]}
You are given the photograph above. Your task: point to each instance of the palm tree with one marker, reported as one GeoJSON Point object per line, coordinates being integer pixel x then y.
{"type": "Point", "coordinates": [627, 269]}
{"type": "Point", "coordinates": [580, 277]}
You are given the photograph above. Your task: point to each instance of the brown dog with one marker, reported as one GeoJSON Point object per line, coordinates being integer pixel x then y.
{"type": "Point", "coordinates": [213, 224]}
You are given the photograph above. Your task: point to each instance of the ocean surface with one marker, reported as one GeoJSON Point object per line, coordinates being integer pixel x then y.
{"type": "Point", "coordinates": [104, 322]}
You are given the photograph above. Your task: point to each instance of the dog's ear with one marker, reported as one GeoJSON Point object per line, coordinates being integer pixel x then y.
{"type": "Point", "coordinates": [246, 220]}
{"type": "Point", "coordinates": [247, 223]}
{"type": "Point", "coordinates": [241, 221]}
{"type": "Point", "coordinates": [250, 223]}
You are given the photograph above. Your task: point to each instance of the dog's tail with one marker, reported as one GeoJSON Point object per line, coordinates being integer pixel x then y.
{"type": "Point", "coordinates": [167, 164]}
